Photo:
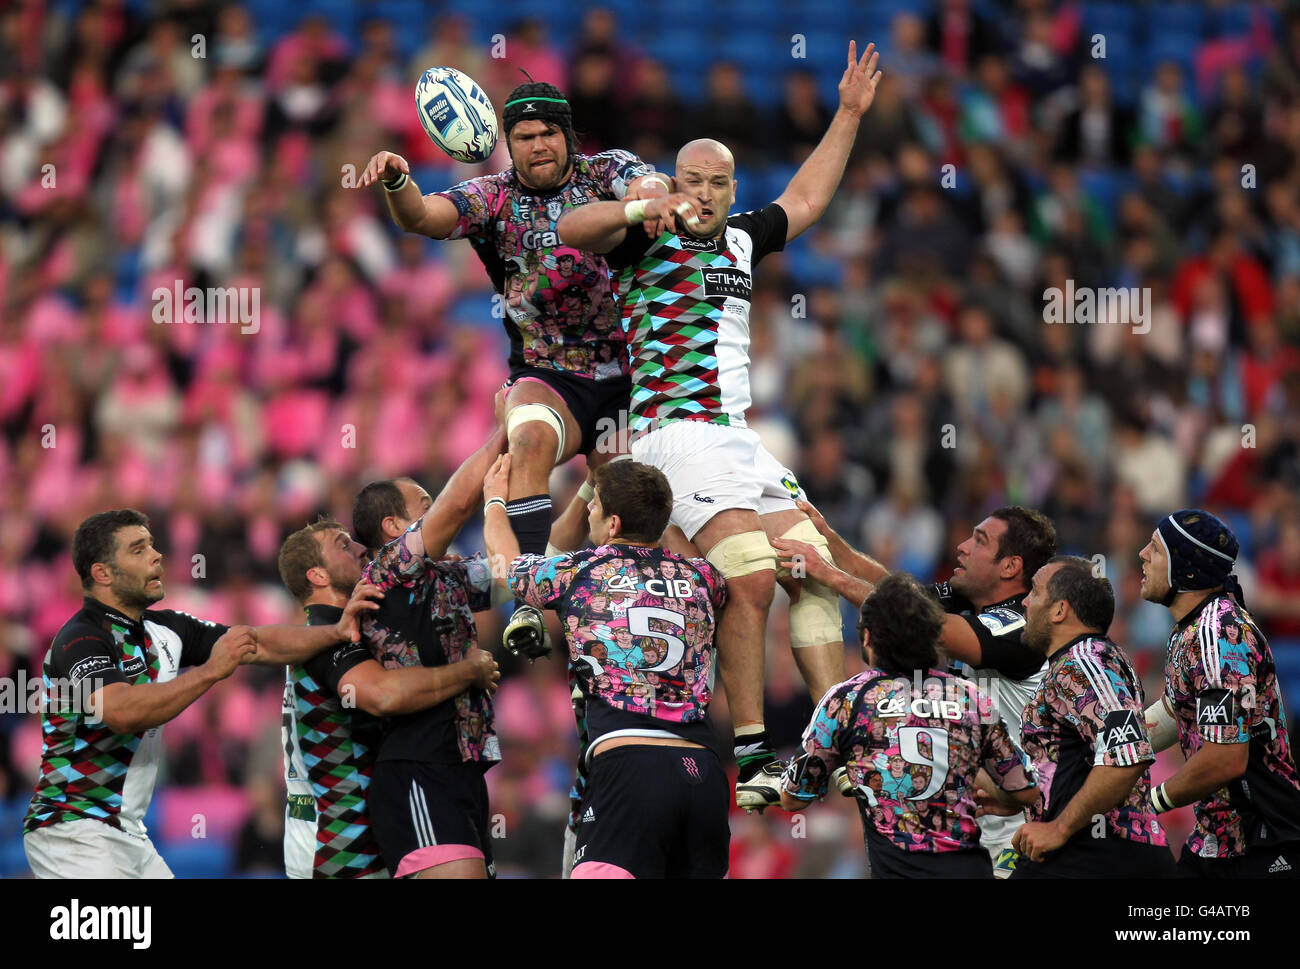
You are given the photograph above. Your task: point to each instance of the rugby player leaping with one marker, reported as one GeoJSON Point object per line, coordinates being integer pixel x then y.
{"type": "Point", "coordinates": [685, 302]}
{"type": "Point", "coordinates": [568, 356]}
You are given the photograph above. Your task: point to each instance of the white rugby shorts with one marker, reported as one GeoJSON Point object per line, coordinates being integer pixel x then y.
{"type": "Point", "coordinates": [713, 468]}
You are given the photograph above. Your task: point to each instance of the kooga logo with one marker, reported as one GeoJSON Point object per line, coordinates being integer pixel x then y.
{"type": "Point", "coordinates": [100, 923]}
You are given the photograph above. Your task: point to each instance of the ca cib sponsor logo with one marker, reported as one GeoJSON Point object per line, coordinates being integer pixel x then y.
{"type": "Point", "coordinates": [75, 922]}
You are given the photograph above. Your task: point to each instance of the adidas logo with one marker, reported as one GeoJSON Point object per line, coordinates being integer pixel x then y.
{"type": "Point", "coordinates": [589, 816]}
{"type": "Point", "coordinates": [1279, 865]}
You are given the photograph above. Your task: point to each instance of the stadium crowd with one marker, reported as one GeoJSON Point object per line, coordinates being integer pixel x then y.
{"type": "Point", "coordinates": [902, 361]}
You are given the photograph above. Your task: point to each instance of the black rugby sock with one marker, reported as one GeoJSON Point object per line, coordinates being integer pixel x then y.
{"type": "Point", "coordinates": [531, 520]}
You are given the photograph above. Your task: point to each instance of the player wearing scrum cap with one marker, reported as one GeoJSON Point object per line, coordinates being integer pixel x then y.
{"type": "Point", "coordinates": [685, 299]}
{"type": "Point", "coordinates": [568, 357]}
{"type": "Point", "coordinates": [1223, 707]}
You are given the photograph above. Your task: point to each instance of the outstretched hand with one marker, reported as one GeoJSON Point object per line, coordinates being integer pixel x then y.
{"type": "Point", "coordinates": [858, 85]}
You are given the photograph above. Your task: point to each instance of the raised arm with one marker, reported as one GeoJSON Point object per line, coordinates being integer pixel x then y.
{"type": "Point", "coordinates": [846, 557]}
{"type": "Point", "coordinates": [600, 226]}
{"type": "Point", "coordinates": [569, 532]}
{"type": "Point", "coordinates": [810, 191]}
{"type": "Point", "coordinates": [459, 497]}
{"type": "Point", "coordinates": [498, 537]}
{"type": "Point", "coordinates": [426, 215]}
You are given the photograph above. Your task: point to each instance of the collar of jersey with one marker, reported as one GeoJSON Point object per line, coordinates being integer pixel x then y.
{"type": "Point", "coordinates": [322, 614]}
{"type": "Point", "coordinates": [1065, 650]}
{"type": "Point", "coordinates": [95, 606]}
{"type": "Point", "coordinates": [1195, 613]}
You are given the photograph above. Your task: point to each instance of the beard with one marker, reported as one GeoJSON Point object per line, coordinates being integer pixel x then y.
{"type": "Point", "coordinates": [1035, 636]}
{"type": "Point", "coordinates": [135, 593]}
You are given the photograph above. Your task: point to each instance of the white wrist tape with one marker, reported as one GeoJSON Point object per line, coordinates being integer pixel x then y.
{"type": "Point", "coordinates": [634, 211]}
{"type": "Point", "coordinates": [658, 179]}
{"type": "Point", "coordinates": [396, 184]}
{"type": "Point", "coordinates": [586, 492]}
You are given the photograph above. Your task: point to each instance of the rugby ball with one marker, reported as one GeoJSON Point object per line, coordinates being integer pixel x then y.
{"type": "Point", "coordinates": [457, 114]}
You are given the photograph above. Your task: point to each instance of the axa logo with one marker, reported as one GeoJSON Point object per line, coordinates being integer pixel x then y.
{"type": "Point", "coordinates": [1120, 728]}
{"type": "Point", "coordinates": [1214, 708]}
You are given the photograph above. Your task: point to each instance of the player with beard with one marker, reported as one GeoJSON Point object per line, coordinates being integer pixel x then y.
{"type": "Point", "coordinates": [333, 708]}
{"type": "Point", "coordinates": [569, 378]}
{"type": "Point", "coordinates": [1084, 732]}
{"type": "Point", "coordinates": [1223, 706]}
{"type": "Point", "coordinates": [984, 601]}
{"type": "Point", "coordinates": [112, 679]}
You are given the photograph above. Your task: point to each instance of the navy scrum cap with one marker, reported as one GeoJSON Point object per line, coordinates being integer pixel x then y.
{"type": "Point", "coordinates": [539, 101]}
{"type": "Point", "coordinates": [1201, 549]}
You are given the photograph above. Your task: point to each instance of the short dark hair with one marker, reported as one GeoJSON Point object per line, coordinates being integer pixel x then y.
{"type": "Point", "coordinates": [375, 502]}
{"type": "Point", "coordinates": [1030, 534]}
{"type": "Point", "coordinates": [1091, 597]}
{"type": "Point", "coordinates": [96, 539]}
{"type": "Point", "coordinates": [300, 552]}
{"type": "Point", "coordinates": [639, 495]}
{"type": "Point", "coordinates": [904, 621]}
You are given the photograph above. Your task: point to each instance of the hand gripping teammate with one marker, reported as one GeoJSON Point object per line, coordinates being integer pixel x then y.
{"type": "Point", "coordinates": [568, 357]}
{"type": "Point", "coordinates": [685, 299]}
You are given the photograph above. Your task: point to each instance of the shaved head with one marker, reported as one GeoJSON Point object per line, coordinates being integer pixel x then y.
{"type": "Point", "coordinates": [703, 151]}
{"type": "Point", "coordinates": [706, 171]}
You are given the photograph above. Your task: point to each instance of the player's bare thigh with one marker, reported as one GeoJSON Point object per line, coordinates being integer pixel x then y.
{"type": "Point", "coordinates": [529, 391]}
{"type": "Point", "coordinates": [776, 524]}
{"type": "Point", "coordinates": [732, 521]}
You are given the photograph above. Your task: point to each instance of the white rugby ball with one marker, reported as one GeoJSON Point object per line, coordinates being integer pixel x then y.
{"type": "Point", "coordinates": [457, 114]}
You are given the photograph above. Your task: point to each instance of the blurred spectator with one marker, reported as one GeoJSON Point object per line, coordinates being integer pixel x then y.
{"type": "Point", "coordinates": [802, 118]}
{"type": "Point", "coordinates": [728, 114]}
{"type": "Point", "coordinates": [1097, 133]}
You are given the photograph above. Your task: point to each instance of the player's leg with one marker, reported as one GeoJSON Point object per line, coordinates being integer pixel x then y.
{"type": "Point", "coordinates": [675, 540]}
{"type": "Point", "coordinates": [542, 433]}
{"type": "Point", "coordinates": [424, 816]}
{"type": "Point", "coordinates": [144, 858]}
{"type": "Point", "coordinates": [627, 817]}
{"type": "Point", "coordinates": [72, 849]}
{"type": "Point", "coordinates": [703, 832]}
{"type": "Point", "coordinates": [715, 504]}
{"type": "Point", "coordinates": [734, 542]}
{"type": "Point", "coordinates": [816, 635]}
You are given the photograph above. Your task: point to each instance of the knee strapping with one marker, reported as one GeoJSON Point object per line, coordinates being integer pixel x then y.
{"type": "Point", "coordinates": [742, 554]}
{"type": "Point", "coordinates": [815, 615]}
{"type": "Point", "coordinates": [538, 412]}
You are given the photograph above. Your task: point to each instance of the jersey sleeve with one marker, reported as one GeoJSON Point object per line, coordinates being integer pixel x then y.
{"type": "Point", "coordinates": [951, 600]}
{"type": "Point", "coordinates": [541, 581]}
{"type": "Point", "coordinates": [401, 563]}
{"type": "Point", "coordinates": [1098, 701]}
{"type": "Point", "coordinates": [717, 585]}
{"type": "Point", "coordinates": [198, 636]}
{"type": "Point", "coordinates": [329, 666]}
{"type": "Point", "coordinates": [998, 630]}
{"type": "Point", "coordinates": [86, 659]}
{"type": "Point", "coordinates": [476, 204]}
{"type": "Point", "coordinates": [1005, 761]}
{"type": "Point", "coordinates": [613, 170]}
{"type": "Point", "coordinates": [635, 244]}
{"type": "Point", "coordinates": [808, 774]}
{"type": "Point", "coordinates": [1223, 678]}
{"type": "Point", "coordinates": [476, 575]}
{"type": "Point", "coordinates": [766, 226]}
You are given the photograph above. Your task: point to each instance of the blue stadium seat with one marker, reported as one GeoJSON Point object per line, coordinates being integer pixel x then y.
{"type": "Point", "coordinates": [1186, 19]}
{"type": "Point", "coordinates": [1103, 187]}
{"type": "Point", "coordinates": [1236, 20]}
{"type": "Point", "coordinates": [1110, 18]}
